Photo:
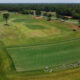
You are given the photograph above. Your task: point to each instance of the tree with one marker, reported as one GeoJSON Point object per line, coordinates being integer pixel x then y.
{"type": "Point", "coordinates": [58, 16]}
{"type": "Point", "coordinates": [47, 9]}
{"type": "Point", "coordinates": [38, 12]}
{"type": "Point", "coordinates": [76, 15]}
{"type": "Point", "coordinates": [6, 16]}
{"type": "Point", "coordinates": [49, 17]}
{"type": "Point", "coordinates": [45, 14]}
{"type": "Point", "coordinates": [24, 12]}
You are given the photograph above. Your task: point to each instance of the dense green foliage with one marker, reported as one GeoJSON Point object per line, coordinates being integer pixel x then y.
{"type": "Point", "coordinates": [61, 9]}
{"type": "Point", "coordinates": [6, 16]}
{"type": "Point", "coordinates": [38, 12]}
{"type": "Point", "coordinates": [26, 12]}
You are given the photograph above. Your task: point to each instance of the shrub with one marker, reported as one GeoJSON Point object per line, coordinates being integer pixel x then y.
{"type": "Point", "coordinates": [38, 12]}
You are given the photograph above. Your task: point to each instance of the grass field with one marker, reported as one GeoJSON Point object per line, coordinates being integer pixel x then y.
{"type": "Point", "coordinates": [6, 63]}
{"type": "Point", "coordinates": [31, 43]}
{"type": "Point", "coordinates": [40, 56]}
{"type": "Point", "coordinates": [26, 30]}
{"type": "Point", "coordinates": [72, 74]}
{"type": "Point", "coordinates": [7, 66]}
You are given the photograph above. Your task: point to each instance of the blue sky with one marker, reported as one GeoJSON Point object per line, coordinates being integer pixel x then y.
{"type": "Point", "coordinates": [39, 1]}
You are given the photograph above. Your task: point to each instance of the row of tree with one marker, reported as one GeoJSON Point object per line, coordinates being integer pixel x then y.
{"type": "Point", "coordinates": [61, 9]}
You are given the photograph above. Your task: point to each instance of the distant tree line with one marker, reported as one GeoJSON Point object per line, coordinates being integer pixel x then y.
{"type": "Point", "coordinates": [60, 9]}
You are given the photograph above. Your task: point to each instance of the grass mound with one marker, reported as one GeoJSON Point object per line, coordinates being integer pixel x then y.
{"type": "Point", "coordinates": [6, 63]}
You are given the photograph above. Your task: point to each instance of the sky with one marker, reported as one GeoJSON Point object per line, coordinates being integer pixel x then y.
{"type": "Point", "coordinates": [39, 1]}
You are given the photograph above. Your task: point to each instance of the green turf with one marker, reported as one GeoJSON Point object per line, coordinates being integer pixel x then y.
{"type": "Point", "coordinates": [38, 57]}
{"type": "Point", "coordinates": [33, 44]}
{"type": "Point", "coordinates": [6, 63]}
{"type": "Point", "coordinates": [26, 29]}
{"type": "Point", "coordinates": [36, 26]}
{"type": "Point", "coordinates": [71, 74]}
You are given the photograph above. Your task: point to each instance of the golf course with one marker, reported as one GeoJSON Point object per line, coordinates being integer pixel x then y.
{"type": "Point", "coordinates": [32, 48]}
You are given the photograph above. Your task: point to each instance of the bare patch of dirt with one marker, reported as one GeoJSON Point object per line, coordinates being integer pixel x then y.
{"type": "Point", "coordinates": [75, 27]}
{"type": "Point", "coordinates": [38, 17]}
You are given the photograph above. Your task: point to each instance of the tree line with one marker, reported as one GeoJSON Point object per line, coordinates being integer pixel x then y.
{"type": "Point", "coordinates": [60, 9]}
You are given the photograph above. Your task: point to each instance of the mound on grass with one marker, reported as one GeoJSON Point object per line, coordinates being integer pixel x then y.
{"type": "Point", "coordinates": [6, 64]}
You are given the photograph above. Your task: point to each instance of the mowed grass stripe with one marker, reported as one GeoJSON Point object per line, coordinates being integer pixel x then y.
{"type": "Point", "coordinates": [38, 57]}
{"type": "Point", "coordinates": [47, 43]}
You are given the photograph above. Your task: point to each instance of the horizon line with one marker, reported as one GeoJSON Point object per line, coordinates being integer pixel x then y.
{"type": "Point", "coordinates": [41, 3]}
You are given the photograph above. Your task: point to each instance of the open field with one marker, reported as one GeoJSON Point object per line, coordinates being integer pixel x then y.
{"type": "Point", "coordinates": [7, 65]}
{"type": "Point", "coordinates": [31, 43]}
{"type": "Point", "coordinates": [40, 56]}
{"type": "Point", "coordinates": [26, 30]}
{"type": "Point", "coordinates": [51, 43]}
{"type": "Point", "coordinates": [72, 74]}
